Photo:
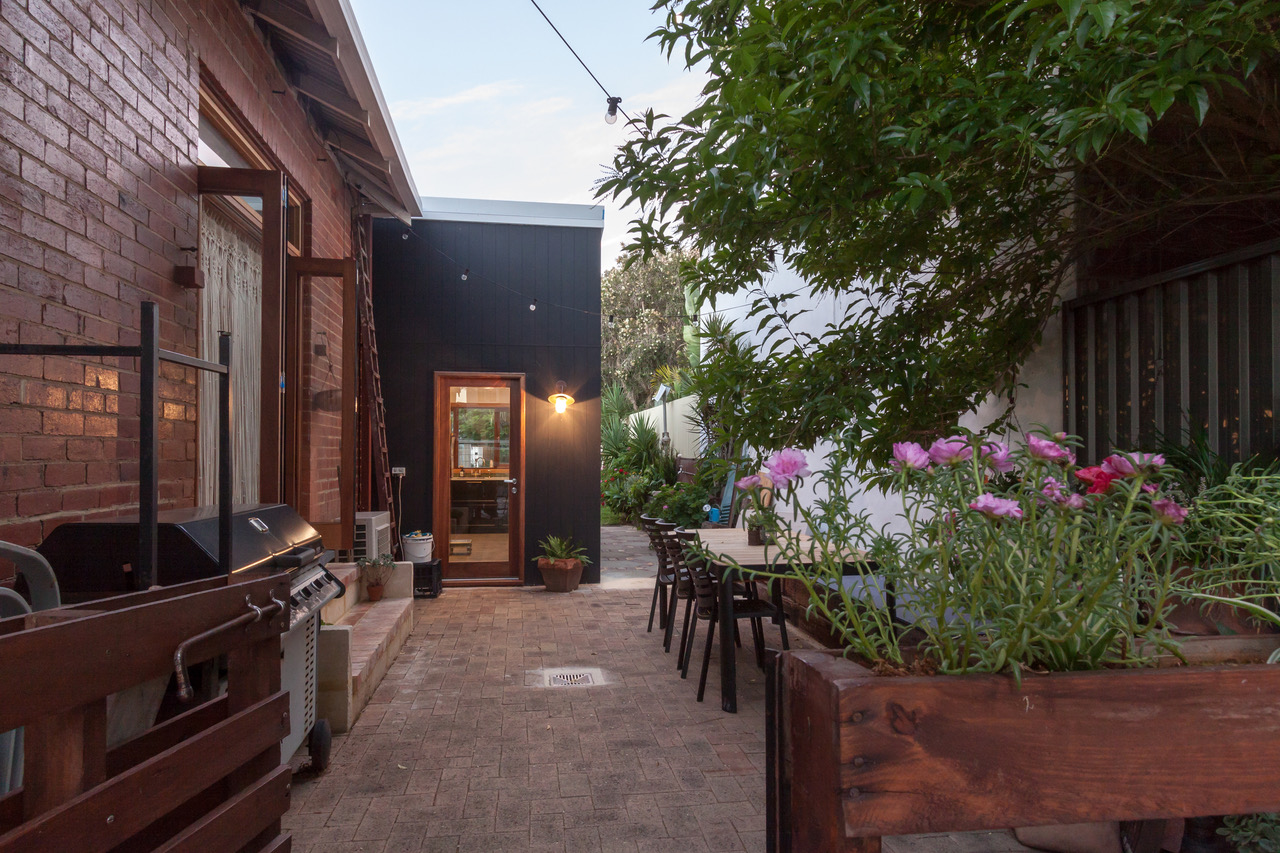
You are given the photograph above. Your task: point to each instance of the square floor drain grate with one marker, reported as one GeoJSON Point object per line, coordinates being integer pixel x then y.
{"type": "Point", "coordinates": [567, 676]}
{"type": "Point", "coordinates": [570, 679]}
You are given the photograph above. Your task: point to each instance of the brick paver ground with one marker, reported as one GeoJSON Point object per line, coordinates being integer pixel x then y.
{"type": "Point", "coordinates": [463, 749]}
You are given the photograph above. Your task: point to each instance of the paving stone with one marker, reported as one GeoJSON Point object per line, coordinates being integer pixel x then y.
{"type": "Point", "coordinates": [462, 751]}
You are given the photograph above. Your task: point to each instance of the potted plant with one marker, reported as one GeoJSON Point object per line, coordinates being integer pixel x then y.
{"type": "Point", "coordinates": [376, 571]}
{"type": "Point", "coordinates": [561, 563]}
{"type": "Point", "coordinates": [1022, 606]}
{"type": "Point", "coordinates": [684, 504]}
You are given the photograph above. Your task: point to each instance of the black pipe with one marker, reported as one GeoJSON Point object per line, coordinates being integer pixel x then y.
{"type": "Point", "coordinates": [225, 470]}
{"type": "Point", "coordinates": [144, 574]}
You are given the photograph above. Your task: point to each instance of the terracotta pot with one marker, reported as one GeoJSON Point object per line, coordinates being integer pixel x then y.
{"type": "Point", "coordinates": [374, 591]}
{"type": "Point", "coordinates": [560, 575]}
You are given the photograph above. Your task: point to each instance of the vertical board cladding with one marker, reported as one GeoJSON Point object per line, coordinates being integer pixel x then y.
{"type": "Point", "coordinates": [99, 109]}
{"type": "Point", "coordinates": [428, 319]}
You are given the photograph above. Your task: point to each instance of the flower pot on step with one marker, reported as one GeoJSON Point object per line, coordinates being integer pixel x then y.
{"type": "Point", "coordinates": [374, 591]}
{"type": "Point", "coordinates": [561, 575]}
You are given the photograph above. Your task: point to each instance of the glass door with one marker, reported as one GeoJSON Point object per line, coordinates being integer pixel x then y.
{"type": "Point", "coordinates": [479, 474]}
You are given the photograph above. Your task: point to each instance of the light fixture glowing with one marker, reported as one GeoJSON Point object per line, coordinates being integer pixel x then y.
{"type": "Point", "coordinates": [466, 273]}
{"type": "Point", "coordinates": [561, 398]}
{"type": "Point", "coordinates": [611, 117]}
{"type": "Point", "coordinates": [533, 306]}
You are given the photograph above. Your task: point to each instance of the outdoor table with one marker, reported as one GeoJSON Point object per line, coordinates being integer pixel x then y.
{"type": "Point", "coordinates": [730, 544]}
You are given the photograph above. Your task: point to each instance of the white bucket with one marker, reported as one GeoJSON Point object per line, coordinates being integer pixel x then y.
{"type": "Point", "coordinates": [417, 547]}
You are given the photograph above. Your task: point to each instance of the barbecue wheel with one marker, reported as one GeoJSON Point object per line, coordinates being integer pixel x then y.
{"type": "Point", "coordinates": [319, 742]}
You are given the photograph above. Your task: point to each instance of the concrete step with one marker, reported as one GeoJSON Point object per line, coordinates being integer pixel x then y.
{"type": "Point", "coordinates": [360, 643]}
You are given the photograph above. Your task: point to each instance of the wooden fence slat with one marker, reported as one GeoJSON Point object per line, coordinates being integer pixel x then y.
{"type": "Point", "coordinates": [116, 650]}
{"type": "Point", "coordinates": [237, 821]}
{"type": "Point", "coordinates": [64, 754]}
{"type": "Point", "coordinates": [115, 810]}
{"type": "Point", "coordinates": [168, 734]}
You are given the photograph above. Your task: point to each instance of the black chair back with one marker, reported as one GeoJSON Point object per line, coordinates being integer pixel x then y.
{"type": "Point", "coordinates": [695, 568]}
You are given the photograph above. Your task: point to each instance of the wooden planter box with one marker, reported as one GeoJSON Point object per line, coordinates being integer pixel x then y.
{"type": "Point", "coordinates": [854, 756]}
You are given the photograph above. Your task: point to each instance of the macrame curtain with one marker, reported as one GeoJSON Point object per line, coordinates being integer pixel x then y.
{"type": "Point", "coordinates": [231, 301]}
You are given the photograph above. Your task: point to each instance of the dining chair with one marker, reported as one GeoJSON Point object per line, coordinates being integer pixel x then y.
{"type": "Point", "coordinates": [707, 607]}
{"type": "Point", "coordinates": [665, 579]}
{"type": "Point", "coordinates": [682, 584]}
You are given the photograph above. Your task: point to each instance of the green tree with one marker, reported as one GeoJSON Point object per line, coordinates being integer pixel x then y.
{"type": "Point", "coordinates": [642, 327]}
{"type": "Point", "coordinates": [945, 163]}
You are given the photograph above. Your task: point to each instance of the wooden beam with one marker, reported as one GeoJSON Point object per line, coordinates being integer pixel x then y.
{"type": "Point", "coordinates": [357, 149]}
{"type": "Point", "coordinates": [333, 97]}
{"type": "Point", "coordinates": [373, 188]}
{"type": "Point", "coordinates": [238, 821]}
{"type": "Point", "coordinates": [275, 14]}
{"type": "Point", "coordinates": [119, 649]}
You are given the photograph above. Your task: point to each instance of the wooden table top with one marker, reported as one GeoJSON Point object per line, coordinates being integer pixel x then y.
{"type": "Point", "coordinates": [731, 543]}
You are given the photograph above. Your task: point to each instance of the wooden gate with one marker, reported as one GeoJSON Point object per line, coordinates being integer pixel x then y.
{"type": "Point", "coordinates": [208, 779]}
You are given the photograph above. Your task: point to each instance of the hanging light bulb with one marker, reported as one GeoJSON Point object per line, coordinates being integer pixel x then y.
{"type": "Point", "coordinates": [466, 273]}
{"type": "Point", "coordinates": [533, 306]}
{"type": "Point", "coordinates": [611, 117]}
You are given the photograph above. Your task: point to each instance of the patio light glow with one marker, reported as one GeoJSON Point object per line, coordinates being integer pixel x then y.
{"type": "Point", "coordinates": [561, 398]}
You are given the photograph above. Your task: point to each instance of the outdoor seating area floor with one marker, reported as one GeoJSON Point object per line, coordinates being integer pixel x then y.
{"type": "Point", "coordinates": [463, 748]}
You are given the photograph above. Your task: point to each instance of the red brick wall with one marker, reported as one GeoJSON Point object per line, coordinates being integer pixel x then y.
{"type": "Point", "coordinates": [99, 104]}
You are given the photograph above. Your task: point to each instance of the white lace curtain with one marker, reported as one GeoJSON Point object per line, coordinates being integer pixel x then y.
{"type": "Point", "coordinates": [231, 301]}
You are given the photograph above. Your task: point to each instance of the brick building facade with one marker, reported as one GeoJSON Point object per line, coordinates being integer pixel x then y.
{"type": "Point", "coordinates": [101, 106]}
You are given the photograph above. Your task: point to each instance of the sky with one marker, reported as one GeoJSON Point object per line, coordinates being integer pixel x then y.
{"type": "Point", "coordinates": [489, 103]}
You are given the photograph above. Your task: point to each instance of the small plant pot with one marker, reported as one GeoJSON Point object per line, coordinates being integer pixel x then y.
{"type": "Point", "coordinates": [756, 536]}
{"type": "Point", "coordinates": [374, 591]}
{"type": "Point", "coordinates": [560, 575]}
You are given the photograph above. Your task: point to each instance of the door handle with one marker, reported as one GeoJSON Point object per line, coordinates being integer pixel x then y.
{"type": "Point", "coordinates": [512, 484]}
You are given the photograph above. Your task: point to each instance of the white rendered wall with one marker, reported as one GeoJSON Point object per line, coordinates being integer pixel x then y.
{"type": "Point", "coordinates": [1038, 403]}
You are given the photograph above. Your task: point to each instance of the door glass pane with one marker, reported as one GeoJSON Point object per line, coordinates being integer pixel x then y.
{"type": "Point", "coordinates": [480, 451]}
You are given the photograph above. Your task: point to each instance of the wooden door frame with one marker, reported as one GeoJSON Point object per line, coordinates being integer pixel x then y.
{"type": "Point", "coordinates": [441, 379]}
{"type": "Point", "coordinates": [297, 462]}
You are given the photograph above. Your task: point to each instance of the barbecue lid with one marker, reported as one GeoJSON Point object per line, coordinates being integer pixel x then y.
{"type": "Point", "coordinates": [187, 544]}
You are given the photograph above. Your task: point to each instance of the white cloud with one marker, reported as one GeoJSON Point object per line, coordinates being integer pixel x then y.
{"type": "Point", "coordinates": [423, 107]}
{"type": "Point", "coordinates": [551, 149]}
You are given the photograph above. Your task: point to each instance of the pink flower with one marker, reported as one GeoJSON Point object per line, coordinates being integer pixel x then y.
{"type": "Point", "coordinates": [748, 482]}
{"type": "Point", "coordinates": [908, 454]}
{"type": "Point", "coordinates": [996, 454]}
{"type": "Point", "coordinates": [1074, 502]}
{"type": "Point", "coordinates": [786, 465]}
{"type": "Point", "coordinates": [1050, 451]}
{"type": "Point", "coordinates": [1128, 464]}
{"type": "Point", "coordinates": [994, 507]}
{"type": "Point", "coordinates": [1168, 512]}
{"type": "Point", "coordinates": [949, 451]}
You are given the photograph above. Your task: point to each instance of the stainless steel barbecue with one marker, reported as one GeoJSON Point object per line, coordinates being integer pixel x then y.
{"type": "Point", "coordinates": [93, 559]}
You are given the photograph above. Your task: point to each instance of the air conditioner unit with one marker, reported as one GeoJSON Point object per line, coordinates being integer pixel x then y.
{"type": "Point", "coordinates": [373, 534]}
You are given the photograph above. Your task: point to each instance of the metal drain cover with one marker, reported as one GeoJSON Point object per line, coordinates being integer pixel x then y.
{"type": "Point", "coordinates": [567, 676]}
{"type": "Point", "coordinates": [570, 679]}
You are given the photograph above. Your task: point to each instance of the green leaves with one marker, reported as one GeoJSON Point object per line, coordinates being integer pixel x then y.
{"type": "Point", "coordinates": [932, 161]}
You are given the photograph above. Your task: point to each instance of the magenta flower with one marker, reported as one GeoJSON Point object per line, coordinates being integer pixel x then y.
{"type": "Point", "coordinates": [1168, 512]}
{"type": "Point", "coordinates": [1128, 464]}
{"type": "Point", "coordinates": [1048, 450]}
{"type": "Point", "coordinates": [996, 454]}
{"type": "Point", "coordinates": [786, 465]}
{"type": "Point", "coordinates": [994, 507]}
{"type": "Point", "coordinates": [908, 454]}
{"type": "Point", "coordinates": [950, 450]}
{"type": "Point", "coordinates": [748, 482]}
{"type": "Point", "coordinates": [1054, 490]}
{"type": "Point", "coordinates": [1074, 502]}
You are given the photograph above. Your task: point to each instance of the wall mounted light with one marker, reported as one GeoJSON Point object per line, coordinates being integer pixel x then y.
{"type": "Point", "coordinates": [561, 398]}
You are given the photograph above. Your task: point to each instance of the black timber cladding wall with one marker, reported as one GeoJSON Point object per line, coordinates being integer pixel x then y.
{"type": "Point", "coordinates": [428, 319]}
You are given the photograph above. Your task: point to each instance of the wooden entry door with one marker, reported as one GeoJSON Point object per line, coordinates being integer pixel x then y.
{"type": "Point", "coordinates": [478, 495]}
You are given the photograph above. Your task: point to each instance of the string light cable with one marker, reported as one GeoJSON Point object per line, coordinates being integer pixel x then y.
{"type": "Point", "coordinates": [613, 101]}
{"type": "Point", "coordinates": [469, 275]}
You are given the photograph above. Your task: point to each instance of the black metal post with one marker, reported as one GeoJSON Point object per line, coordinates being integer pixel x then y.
{"type": "Point", "coordinates": [225, 466]}
{"type": "Point", "coordinates": [144, 574]}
